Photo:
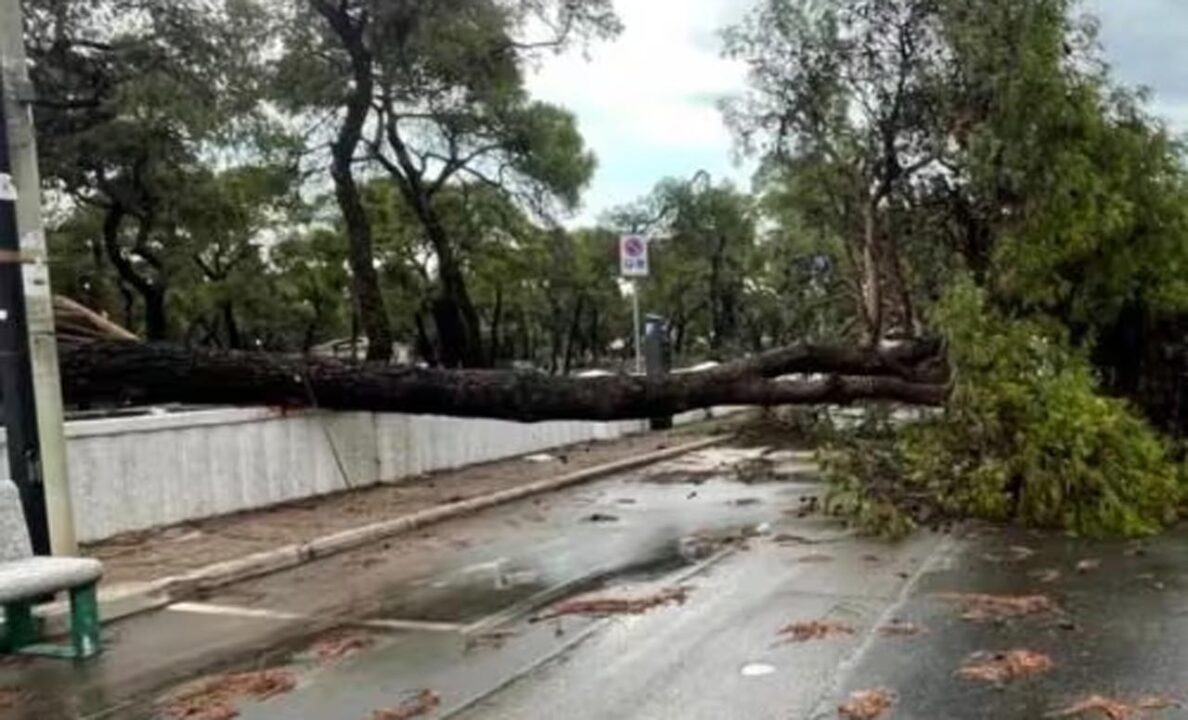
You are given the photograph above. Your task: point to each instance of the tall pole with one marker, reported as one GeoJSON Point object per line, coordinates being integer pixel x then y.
{"type": "Point", "coordinates": [44, 453]}
{"type": "Point", "coordinates": [639, 367]}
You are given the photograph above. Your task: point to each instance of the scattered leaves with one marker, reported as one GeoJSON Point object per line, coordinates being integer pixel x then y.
{"type": "Point", "coordinates": [12, 697]}
{"type": "Point", "coordinates": [815, 630]}
{"type": "Point", "coordinates": [1112, 708]}
{"type": "Point", "coordinates": [866, 705]}
{"type": "Point", "coordinates": [340, 644]}
{"type": "Point", "coordinates": [1001, 668]}
{"type": "Point", "coordinates": [978, 607]}
{"type": "Point", "coordinates": [1086, 566]}
{"type": "Point", "coordinates": [425, 702]}
{"type": "Point", "coordinates": [900, 628]}
{"type": "Point", "coordinates": [617, 605]}
{"type": "Point", "coordinates": [214, 698]}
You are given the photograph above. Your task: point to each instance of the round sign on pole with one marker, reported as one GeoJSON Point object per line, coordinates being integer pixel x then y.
{"type": "Point", "coordinates": [633, 256]}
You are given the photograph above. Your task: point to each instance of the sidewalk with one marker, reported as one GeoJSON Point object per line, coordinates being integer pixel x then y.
{"type": "Point", "coordinates": [147, 556]}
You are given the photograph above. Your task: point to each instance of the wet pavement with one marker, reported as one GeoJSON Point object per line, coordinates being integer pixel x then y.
{"type": "Point", "coordinates": [455, 609]}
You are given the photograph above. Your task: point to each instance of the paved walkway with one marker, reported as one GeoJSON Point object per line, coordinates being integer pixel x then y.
{"type": "Point", "coordinates": [145, 556]}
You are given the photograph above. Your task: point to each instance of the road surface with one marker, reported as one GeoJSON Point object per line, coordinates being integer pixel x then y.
{"type": "Point", "coordinates": [455, 609]}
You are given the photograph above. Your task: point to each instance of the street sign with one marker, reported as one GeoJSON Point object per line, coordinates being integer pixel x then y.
{"type": "Point", "coordinates": [633, 256]}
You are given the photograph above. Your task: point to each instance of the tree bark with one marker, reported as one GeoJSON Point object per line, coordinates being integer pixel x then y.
{"type": "Point", "coordinates": [159, 373]}
{"type": "Point", "coordinates": [370, 300]}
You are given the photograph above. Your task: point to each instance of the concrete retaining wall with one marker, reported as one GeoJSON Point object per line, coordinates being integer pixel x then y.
{"type": "Point", "coordinates": [142, 472]}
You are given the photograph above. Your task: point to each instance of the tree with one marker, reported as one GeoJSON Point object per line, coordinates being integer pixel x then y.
{"type": "Point", "coordinates": [444, 80]}
{"type": "Point", "coordinates": [841, 96]}
{"type": "Point", "coordinates": [124, 109]}
{"type": "Point", "coordinates": [703, 237]}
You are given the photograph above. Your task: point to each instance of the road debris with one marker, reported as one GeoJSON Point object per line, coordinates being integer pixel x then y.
{"type": "Point", "coordinates": [493, 639]}
{"type": "Point", "coordinates": [339, 644]}
{"type": "Point", "coordinates": [756, 670]}
{"type": "Point", "coordinates": [866, 705]}
{"type": "Point", "coordinates": [1113, 709]}
{"type": "Point", "coordinates": [746, 502]}
{"type": "Point", "coordinates": [214, 698]}
{"type": "Point", "coordinates": [815, 558]}
{"type": "Point", "coordinates": [815, 630]}
{"type": "Point", "coordinates": [425, 702]}
{"type": "Point", "coordinates": [1015, 553]}
{"type": "Point", "coordinates": [1045, 575]}
{"type": "Point", "coordinates": [900, 628]}
{"type": "Point", "coordinates": [1001, 668]}
{"type": "Point", "coordinates": [616, 605]}
{"type": "Point", "coordinates": [978, 607]}
{"type": "Point", "coordinates": [602, 518]}
{"type": "Point", "coordinates": [1087, 566]}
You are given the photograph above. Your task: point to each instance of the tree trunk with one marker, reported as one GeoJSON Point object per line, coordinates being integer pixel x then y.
{"type": "Point", "coordinates": [153, 294]}
{"type": "Point", "coordinates": [872, 286]}
{"type": "Point", "coordinates": [369, 299]}
{"type": "Point", "coordinates": [159, 373]}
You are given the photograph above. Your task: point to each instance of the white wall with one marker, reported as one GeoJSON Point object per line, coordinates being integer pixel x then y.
{"type": "Point", "coordinates": [142, 472]}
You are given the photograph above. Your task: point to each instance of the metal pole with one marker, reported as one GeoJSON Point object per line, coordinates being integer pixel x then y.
{"type": "Point", "coordinates": [16, 376]}
{"type": "Point", "coordinates": [639, 366]}
{"type": "Point", "coordinates": [42, 345]}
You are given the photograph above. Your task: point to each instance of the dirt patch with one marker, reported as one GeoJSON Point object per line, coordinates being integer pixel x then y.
{"type": "Point", "coordinates": [814, 630]}
{"type": "Point", "coordinates": [977, 607]}
{"type": "Point", "coordinates": [899, 628]}
{"type": "Point", "coordinates": [424, 703]}
{"type": "Point", "coordinates": [338, 644]}
{"type": "Point", "coordinates": [616, 605]}
{"type": "Point", "coordinates": [214, 698]}
{"type": "Point", "coordinates": [1099, 706]}
{"type": "Point", "coordinates": [153, 554]}
{"type": "Point", "coordinates": [1001, 668]}
{"type": "Point", "coordinates": [866, 705]}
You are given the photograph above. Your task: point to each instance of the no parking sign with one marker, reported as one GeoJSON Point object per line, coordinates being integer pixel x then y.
{"type": "Point", "coordinates": [633, 256]}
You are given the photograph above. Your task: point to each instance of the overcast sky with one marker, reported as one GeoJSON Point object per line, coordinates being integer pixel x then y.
{"type": "Point", "coordinates": [646, 102]}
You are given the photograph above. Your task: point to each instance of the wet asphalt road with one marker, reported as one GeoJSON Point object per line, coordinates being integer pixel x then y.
{"type": "Point", "coordinates": [451, 610]}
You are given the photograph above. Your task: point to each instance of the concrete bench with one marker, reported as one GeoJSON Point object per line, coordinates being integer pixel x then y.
{"type": "Point", "coordinates": [26, 580]}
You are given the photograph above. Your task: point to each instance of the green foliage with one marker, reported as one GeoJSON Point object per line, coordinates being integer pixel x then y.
{"type": "Point", "coordinates": [1026, 436]}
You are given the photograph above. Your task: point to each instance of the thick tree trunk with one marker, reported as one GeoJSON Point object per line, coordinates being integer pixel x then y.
{"type": "Point", "coordinates": [157, 373]}
{"type": "Point", "coordinates": [361, 256]}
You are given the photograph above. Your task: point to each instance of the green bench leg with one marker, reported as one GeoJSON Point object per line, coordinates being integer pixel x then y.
{"type": "Point", "coordinates": [84, 621]}
{"type": "Point", "coordinates": [21, 628]}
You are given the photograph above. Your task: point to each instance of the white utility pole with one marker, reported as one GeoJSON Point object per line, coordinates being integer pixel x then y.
{"type": "Point", "coordinates": [43, 347]}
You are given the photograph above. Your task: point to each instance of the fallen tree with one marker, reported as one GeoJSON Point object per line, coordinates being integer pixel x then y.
{"type": "Point", "coordinates": [132, 372]}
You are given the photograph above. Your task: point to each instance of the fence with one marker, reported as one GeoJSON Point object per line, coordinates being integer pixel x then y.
{"type": "Point", "coordinates": [159, 469]}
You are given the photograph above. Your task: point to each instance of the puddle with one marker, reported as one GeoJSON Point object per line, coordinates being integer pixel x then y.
{"type": "Point", "coordinates": [756, 670]}
{"type": "Point", "coordinates": [489, 588]}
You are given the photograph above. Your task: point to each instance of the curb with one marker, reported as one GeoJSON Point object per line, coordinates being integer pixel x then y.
{"type": "Point", "coordinates": [126, 601]}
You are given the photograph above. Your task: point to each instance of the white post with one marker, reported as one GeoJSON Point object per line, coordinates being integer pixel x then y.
{"type": "Point", "coordinates": [639, 368]}
{"type": "Point", "coordinates": [43, 346]}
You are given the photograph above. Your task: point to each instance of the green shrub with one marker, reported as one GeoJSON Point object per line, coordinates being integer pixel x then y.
{"type": "Point", "coordinates": [1026, 436]}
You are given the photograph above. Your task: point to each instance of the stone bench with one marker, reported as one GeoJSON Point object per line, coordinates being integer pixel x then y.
{"type": "Point", "coordinates": [26, 580]}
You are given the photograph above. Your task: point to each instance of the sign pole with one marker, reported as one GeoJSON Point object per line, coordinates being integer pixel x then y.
{"type": "Point", "coordinates": [633, 264]}
{"type": "Point", "coordinates": [46, 455]}
{"type": "Point", "coordinates": [639, 368]}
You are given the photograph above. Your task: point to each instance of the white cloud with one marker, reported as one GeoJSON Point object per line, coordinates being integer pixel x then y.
{"type": "Point", "coordinates": [646, 101]}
